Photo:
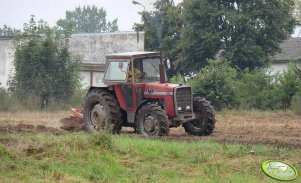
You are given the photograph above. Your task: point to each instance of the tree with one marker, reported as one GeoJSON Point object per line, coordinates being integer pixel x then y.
{"type": "Point", "coordinates": [151, 41]}
{"type": "Point", "coordinates": [298, 10]}
{"type": "Point", "coordinates": [171, 24]}
{"type": "Point", "coordinates": [297, 14]}
{"type": "Point", "coordinates": [245, 32]}
{"type": "Point", "coordinates": [7, 31]}
{"type": "Point", "coordinates": [162, 29]}
{"type": "Point", "coordinates": [257, 35]}
{"type": "Point", "coordinates": [44, 67]}
{"type": "Point", "coordinates": [88, 19]}
{"type": "Point", "coordinates": [200, 38]}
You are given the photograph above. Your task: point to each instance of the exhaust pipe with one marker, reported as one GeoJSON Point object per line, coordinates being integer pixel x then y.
{"type": "Point", "coordinates": [162, 69]}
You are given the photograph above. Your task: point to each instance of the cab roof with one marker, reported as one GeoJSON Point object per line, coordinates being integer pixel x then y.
{"type": "Point", "coordinates": [129, 55]}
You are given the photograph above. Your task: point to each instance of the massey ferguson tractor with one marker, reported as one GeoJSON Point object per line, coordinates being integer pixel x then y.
{"type": "Point", "coordinates": [135, 94]}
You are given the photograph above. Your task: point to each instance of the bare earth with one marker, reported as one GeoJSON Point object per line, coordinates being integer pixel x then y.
{"type": "Point", "coordinates": [256, 128]}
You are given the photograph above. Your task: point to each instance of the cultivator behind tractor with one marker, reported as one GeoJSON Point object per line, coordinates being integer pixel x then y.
{"type": "Point", "coordinates": [74, 122]}
{"type": "Point", "coordinates": [135, 93]}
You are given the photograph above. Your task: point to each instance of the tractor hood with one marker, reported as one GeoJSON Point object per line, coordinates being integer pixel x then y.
{"type": "Point", "coordinates": [159, 88]}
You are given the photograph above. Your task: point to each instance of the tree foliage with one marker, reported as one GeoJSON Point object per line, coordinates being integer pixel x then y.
{"type": "Point", "coordinates": [44, 67]}
{"type": "Point", "coordinates": [247, 33]}
{"type": "Point", "coordinates": [298, 10]}
{"type": "Point", "coordinates": [151, 41]}
{"type": "Point", "coordinates": [254, 90]}
{"type": "Point", "coordinates": [254, 30]}
{"type": "Point", "coordinates": [216, 82]}
{"type": "Point", "coordinates": [200, 39]}
{"type": "Point", "coordinates": [7, 31]}
{"type": "Point", "coordinates": [288, 84]}
{"type": "Point", "coordinates": [162, 29]}
{"type": "Point", "coordinates": [88, 19]}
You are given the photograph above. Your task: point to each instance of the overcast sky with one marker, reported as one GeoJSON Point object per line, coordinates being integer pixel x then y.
{"type": "Point", "coordinates": [16, 12]}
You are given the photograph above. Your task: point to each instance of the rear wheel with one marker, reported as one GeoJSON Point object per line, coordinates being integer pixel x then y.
{"type": "Point", "coordinates": [152, 120]}
{"type": "Point", "coordinates": [101, 112]}
{"type": "Point", "coordinates": [204, 122]}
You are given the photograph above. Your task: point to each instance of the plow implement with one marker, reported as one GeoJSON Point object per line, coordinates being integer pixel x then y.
{"type": "Point", "coordinates": [74, 122]}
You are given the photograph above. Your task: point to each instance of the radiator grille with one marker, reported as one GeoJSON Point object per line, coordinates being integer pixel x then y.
{"type": "Point", "coordinates": [183, 100]}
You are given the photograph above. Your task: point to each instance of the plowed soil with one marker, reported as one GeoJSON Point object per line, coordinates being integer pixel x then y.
{"type": "Point", "coordinates": [282, 129]}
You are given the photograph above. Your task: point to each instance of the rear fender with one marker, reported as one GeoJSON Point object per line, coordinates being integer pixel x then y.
{"type": "Point", "coordinates": [93, 87]}
{"type": "Point", "coordinates": [101, 86]}
{"type": "Point", "coordinates": [106, 88]}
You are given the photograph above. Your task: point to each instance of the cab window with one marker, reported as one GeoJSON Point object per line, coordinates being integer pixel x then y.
{"type": "Point", "coordinates": [117, 71]}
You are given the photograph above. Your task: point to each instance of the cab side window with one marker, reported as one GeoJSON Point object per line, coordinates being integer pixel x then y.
{"type": "Point", "coordinates": [116, 71]}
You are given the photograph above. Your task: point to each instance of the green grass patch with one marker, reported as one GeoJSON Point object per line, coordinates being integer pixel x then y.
{"type": "Point", "coordinates": [80, 157]}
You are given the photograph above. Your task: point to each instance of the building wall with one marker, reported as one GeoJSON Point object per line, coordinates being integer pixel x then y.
{"type": "Point", "coordinates": [91, 47]}
{"type": "Point", "coordinates": [278, 67]}
{"type": "Point", "coordinates": [6, 60]}
{"type": "Point", "coordinates": [94, 47]}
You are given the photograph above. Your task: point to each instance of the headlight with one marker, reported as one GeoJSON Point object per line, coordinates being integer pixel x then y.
{"type": "Point", "coordinates": [179, 108]}
{"type": "Point", "coordinates": [188, 107]}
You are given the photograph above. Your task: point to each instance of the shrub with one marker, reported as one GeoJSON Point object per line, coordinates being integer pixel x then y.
{"type": "Point", "coordinates": [287, 85]}
{"type": "Point", "coordinates": [178, 79]}
{"type": "Point", "coordinates": [216, 83]}
{"type": "Point", "coordinates": [9, 102]}
{"type": "Point", "coordinates": [253, 89]}
{"type": "Point", "coordinates": [296, 103]}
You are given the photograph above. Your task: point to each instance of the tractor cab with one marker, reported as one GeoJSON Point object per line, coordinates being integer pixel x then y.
{"type": "Point", "coordinates": [135, 93]}
{"type": "Point", "coordinates": [132, 68]}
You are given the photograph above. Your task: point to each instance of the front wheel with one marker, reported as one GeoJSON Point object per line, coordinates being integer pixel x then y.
{"type": "Point", "coordinates": [204, 122]}
{"type": "Point", "coordinates": [152, 120]}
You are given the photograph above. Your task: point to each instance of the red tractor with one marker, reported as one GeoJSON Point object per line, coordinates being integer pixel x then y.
{"type": "Point", "coordinates": [135, 94]}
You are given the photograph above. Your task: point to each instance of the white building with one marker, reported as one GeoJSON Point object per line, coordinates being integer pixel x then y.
{"type": "Point", "coordinates": [92, 48]}
{"type": "Point", "coordinates": [290, 50]}
{"type": "Point", "coordinates": [6, 60]}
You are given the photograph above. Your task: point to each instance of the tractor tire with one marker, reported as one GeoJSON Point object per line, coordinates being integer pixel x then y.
{"type": "Point", "coordinates": [101, 112]}
{"type": "Point", "coordinates": [204, 123]}
{"type": "Point", "coordinates": [152, 120]}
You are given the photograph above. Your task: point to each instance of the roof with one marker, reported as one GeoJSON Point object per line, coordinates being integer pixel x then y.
{"type": "Point", "coordinates": [135, 54]}
{"type": "Point", "coordinates": [290, 50]}
{"type": "Point", "coordinates": [103, 33]}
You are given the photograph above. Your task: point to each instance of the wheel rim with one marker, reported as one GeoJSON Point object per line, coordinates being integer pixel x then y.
{"type": "Point", "coordinates": [200, 120]}
{"type": "Point", "coordinates": [150, 124]}
{"type": "Point", "coordinates": [98, 117]}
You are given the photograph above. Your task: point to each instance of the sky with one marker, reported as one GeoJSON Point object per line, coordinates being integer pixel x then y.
{"type": "Point", "coordinates": [15, 13]}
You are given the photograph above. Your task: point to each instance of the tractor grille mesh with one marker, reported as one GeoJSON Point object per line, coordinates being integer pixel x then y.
{"type": "Point", "coordinates": [183, 99]}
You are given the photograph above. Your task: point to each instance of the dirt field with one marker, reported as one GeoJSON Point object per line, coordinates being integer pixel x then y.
{"type": "Point", "coordinates": [249, 127]}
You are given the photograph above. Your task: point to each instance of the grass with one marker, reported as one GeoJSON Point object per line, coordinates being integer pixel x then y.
{"type": "Point", "coordinates": [80, 157]}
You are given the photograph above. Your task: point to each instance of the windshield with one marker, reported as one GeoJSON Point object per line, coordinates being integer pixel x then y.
{"type": "Point", "coordinates": [116, 71]}
{"type": "Point", "coordinates": [150, 69]}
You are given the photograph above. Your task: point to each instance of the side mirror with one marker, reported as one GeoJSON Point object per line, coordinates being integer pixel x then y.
{"type": "Point", "coordinates": [167, 63]}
